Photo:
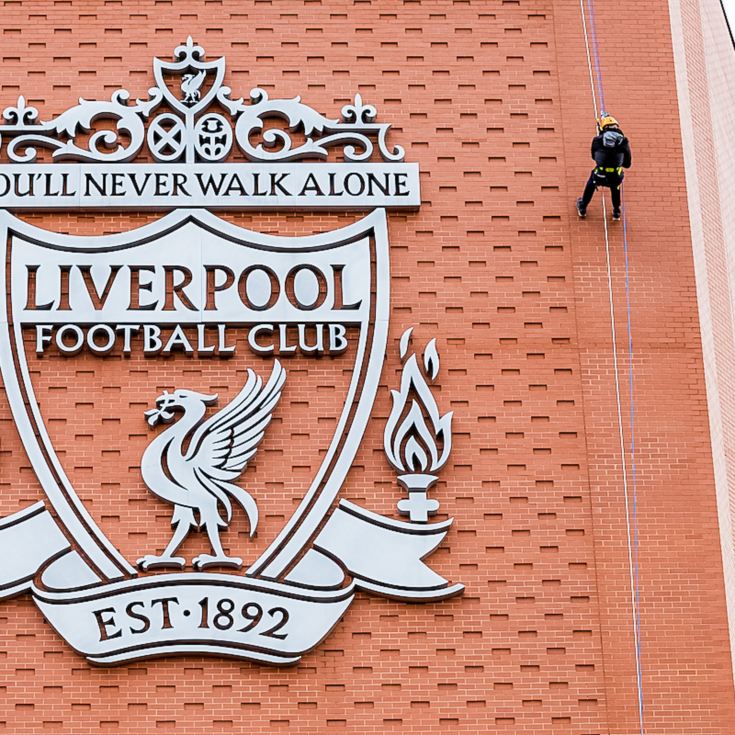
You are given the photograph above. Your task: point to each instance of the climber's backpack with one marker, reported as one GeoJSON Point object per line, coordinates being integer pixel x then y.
{"type": "Point", "coordinates": [610, 155]}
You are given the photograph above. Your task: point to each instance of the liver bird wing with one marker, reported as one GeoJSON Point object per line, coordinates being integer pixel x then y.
{"type": "Point", "coordinates": [223, 444]}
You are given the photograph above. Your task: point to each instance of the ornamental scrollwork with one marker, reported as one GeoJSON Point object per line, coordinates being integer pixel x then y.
{"type": "Point", "coordinates": [188, 129]}
{"type": "Point", "coordinates": [116, 145]}
{"type": "Point", "coordinates": [353, 133]}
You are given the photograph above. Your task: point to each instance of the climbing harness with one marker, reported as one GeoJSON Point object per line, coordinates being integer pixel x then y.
{"type": "Point", "coordinates": [629, 491]}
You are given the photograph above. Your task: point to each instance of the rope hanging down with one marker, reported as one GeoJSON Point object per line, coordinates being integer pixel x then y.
{"type": "Point", "coordinates": [630, 493]}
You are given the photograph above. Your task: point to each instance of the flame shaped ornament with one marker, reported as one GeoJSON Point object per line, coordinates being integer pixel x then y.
{"type": "Point", "coordinates": [417, 438]}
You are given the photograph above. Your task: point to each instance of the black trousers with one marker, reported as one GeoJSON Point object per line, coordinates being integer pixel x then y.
{"type": "Point", "coordinates": [611, 180]}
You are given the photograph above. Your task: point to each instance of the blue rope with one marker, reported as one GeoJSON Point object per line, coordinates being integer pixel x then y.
{"type": "Point", "coordinates": [596, 54]}
{"type": "Point", "coordinates": [633, 466]}
{"type": "Point", "coordinates": [631, 392]}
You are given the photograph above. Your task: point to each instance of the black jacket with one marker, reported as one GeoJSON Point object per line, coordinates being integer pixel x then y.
{"type": "Point", "coordinates": [611, 149]}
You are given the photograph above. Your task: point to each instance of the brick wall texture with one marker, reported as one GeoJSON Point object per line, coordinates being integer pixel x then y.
{"type": "Point", "coordinates": [707, 113]}
{"type": "Point", "coordinates": [492, 98]}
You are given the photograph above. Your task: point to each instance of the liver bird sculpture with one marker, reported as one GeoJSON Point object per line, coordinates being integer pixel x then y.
{"type": "Point", "coordinates": [199, 480]}
{"type": "Point", "coordinates": [190, 85]}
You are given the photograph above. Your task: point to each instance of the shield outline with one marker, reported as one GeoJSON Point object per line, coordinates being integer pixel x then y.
{"type": "Point", "coordinates": [217, 66]}
{"type": "Point", "coordinates": [300, 529]}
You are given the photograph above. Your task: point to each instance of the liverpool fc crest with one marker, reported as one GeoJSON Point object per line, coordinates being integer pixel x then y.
{"type": "Point", "coordinates": [231, 378]}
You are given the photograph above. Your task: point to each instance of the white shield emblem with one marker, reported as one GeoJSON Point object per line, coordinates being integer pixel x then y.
{"type": "Point", "coordinates": [185, 284]}
{"type": "Point", "coordinates": [191, 73]}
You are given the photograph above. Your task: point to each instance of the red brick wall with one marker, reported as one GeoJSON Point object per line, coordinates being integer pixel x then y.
{"type": "Point", "coordinates": [492, 99]}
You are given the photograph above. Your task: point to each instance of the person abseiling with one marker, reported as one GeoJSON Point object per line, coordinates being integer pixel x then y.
{"type": "Point", "coordinates": [611, 152]}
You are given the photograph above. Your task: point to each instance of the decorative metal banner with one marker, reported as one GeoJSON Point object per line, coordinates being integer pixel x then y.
{"type": "Point", "coordinates": [189, 126]}
{"type": "Point", "coordinates": [215, 185]}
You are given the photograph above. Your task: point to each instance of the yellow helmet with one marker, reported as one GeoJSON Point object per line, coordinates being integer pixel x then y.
{"type": "Point", "coordinates": [607, 121]}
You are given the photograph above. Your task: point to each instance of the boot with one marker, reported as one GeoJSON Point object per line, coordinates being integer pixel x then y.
{"type": "Point", "coordinates": [581, 209]}
{"type": "Point", "coordinates": [616, 214]}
